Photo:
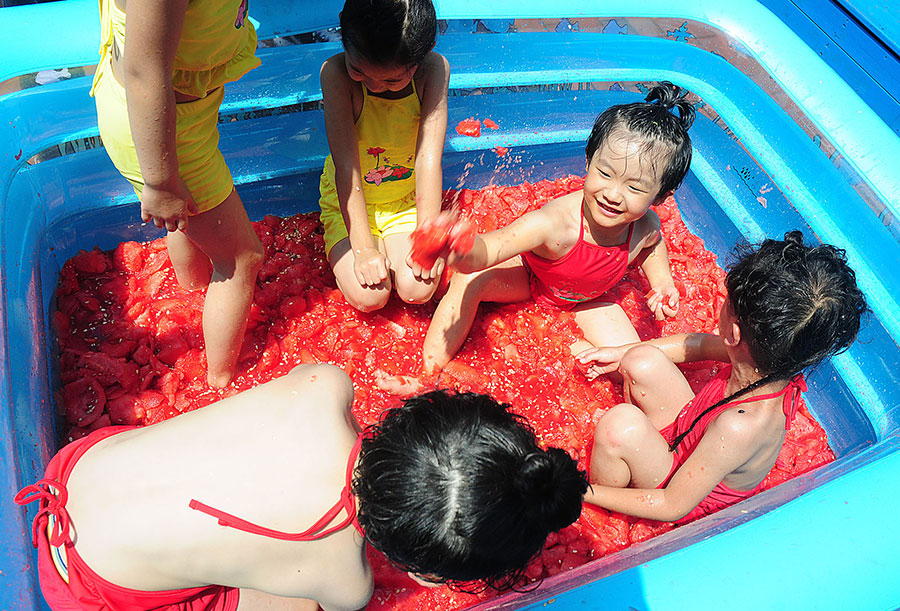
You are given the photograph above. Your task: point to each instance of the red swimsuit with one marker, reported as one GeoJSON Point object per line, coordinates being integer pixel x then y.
{"type": "Point", "coordinates": [721, 496]}
{"type": "Point", "coordinates": [86, 590]}
{"type": "Point", "coordinates": [582, 274]}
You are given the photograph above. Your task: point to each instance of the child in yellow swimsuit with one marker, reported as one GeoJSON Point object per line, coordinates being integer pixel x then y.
{"type": "Point", "coordinates": [385, 103]}
{"type": "Point", "coordinates": [158, 88]}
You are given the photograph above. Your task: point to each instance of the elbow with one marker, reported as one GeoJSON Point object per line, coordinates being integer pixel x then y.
{"type": "Point", "coordinates": [670, 512]}
{"type": "Point", "coordinates": [138, 77]}
{"type": "Point", "coordinates": [673, 514]}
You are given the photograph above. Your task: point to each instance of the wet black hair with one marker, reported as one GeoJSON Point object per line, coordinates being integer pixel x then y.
{"type": "Point", "coordinates": [660, 123]}
{"type": "Point", "coordinates": [454, 486]}
{"type": "Point", "coordinates": [389, 32]}
{"type": "Point", "coordinates": [796, 305]}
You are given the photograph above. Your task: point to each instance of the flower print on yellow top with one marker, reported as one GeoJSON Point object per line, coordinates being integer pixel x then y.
{"type": "Point", "coordinates": [382, 173]}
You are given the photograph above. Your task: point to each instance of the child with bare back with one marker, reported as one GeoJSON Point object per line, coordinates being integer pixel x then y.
{"type": "Point", "coordinates": [668, 454]}
{"type": "Point", "coordinates": [268, 500]}
{"type": "Point", "coordinates": [574, 249]}
{"type": "Point", "coordinates": [385, 101]}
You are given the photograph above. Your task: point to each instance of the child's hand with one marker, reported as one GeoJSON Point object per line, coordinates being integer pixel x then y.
{"type": "Point", "coordinates": [426, 273]}
{"type": "Point", "coordinates": [370, 266]}
{"type": "Point", "coordinates": [168, 207]}
{"type": "Point", "coordinates": [443, 236]}
{"type": "Point", "coordinates": [595, 362]}
{"type": "Point", "coordinates": [663, 302]}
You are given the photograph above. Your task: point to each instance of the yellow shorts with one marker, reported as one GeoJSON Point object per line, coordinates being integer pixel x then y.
{"type": "Point", "coordinates": [385, 219]}
{"type": "Point", "coordinates": [200, 163]}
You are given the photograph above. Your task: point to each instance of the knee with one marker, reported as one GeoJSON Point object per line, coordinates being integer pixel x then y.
{"type": "Point", "coordinates": [368, 300]}
{"type": "Point", "coordinates": [642, 362]}
{"type": "Point", "coordinates": [621, 426]}
{"type": "Point", "coordinates": [415, 291]}
{"type": "Point", "coordinates": [249, 260]}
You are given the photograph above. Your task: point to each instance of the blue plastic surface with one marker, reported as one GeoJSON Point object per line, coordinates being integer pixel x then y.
{"type": "Point", "coordinates": [783, 142]}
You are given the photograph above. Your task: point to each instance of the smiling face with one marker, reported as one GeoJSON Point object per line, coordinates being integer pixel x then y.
{"type": "Point", "coordinates": [375, 78]}
{"type": "Point", "coordinates": [622, 182]}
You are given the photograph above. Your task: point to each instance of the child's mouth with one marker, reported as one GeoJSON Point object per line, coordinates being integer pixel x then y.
{"type": "Point", "coordinates": [607, 209]}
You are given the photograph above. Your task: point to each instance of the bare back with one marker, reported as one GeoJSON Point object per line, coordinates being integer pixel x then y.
{"type": "Point", "coordinates": [275, 455]}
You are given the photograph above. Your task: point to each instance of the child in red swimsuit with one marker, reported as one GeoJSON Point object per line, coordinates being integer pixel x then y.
{"type": "Point", "coordinates": [571, 251]}
{"type": "Point", "coordinates": [670, 455]}
{"type": "Point", "coordinates": [215, 506]}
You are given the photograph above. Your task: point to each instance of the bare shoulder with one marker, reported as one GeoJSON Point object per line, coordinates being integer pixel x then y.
{"type": "Point", "coordinates": [320, 380]}
{"type": "Point", "coordinates": [352, 592]}
{"type": "Point", "coordinates": [564, 210]}
{"type": "Point", "coordinates": [434, 69]}
{"type": "Point", "coordinates": [344, 579]}
{"type": "Point", "coordinates": [333, 68]}
{"type": "Point", "coordinates": [739, 429]}
{"type": "Point", "coordinates": [333, 76]}
{"type": "Point", "coordinates": [432, 79]}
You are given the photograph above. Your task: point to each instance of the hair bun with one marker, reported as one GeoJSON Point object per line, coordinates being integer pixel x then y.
{"type": "Point", "coordinates": [547, 481]}
{"type": "Point", "coordinates": [672, 97]}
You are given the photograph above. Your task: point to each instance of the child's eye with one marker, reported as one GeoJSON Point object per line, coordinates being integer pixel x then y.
{"type": "Point", "coordinates": [636, 189]}
{"type": "Point", "coordinates": [602, 173]}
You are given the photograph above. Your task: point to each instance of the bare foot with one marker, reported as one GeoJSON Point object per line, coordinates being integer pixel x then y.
{"type": "Point", "coordinates": [398, 384]}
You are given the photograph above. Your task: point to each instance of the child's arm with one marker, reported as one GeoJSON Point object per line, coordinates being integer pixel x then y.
{"type": "Point", "coordinates": [430, 147]}
{"type": "Point", "coordinates": [370, 265]}
{"type": "Point", "coordinates": [526, 233]}
{"type": "Point", "coordinates": [728, 443]}
{"type": "Point", "coordinates": [654, 260]}
{"type": "Point", "coordinates": [680, 348]}
{"type": "Point", "coordinates": [153, 30]}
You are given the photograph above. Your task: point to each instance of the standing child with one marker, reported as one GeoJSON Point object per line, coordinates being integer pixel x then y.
{"type": "Point", "coordinates": [158, 88]}
{"type": "Point", "coordinates": [574, 249]}
{"type": "Point", "coordinates": [385, 103]}
{"type": "Point", "coordinates": [671, 455]}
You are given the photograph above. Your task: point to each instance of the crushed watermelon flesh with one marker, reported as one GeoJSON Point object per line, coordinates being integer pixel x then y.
{"type": "Point", "coordinates": [131, 352]}
{"type": "Point", "coordinates": [469, 127]}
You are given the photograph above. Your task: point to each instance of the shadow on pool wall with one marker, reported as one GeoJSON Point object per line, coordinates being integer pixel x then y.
{"type": "Point", "coordinates": [764, 163]}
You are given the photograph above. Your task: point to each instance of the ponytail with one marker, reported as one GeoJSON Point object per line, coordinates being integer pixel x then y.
{"type": "Point", "coordinates": [673, 98]}
{"type": "Point", "coordinates": [546, 482]}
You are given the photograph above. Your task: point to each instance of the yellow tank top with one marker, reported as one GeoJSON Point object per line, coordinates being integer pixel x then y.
{"type": "Point", "coordinates": [386, 134]}
{"type": "Point", "coordinates": [217, 46]}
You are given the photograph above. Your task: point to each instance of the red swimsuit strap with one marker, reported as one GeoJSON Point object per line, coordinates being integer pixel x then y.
{"type": "Point", "coordinates": [791, 394]}
{"type": "Point", "coordinates": [52, 496]}
{"type": "Point", "coordinates": [347, 502]}
{"type": "Point", "coordinates": [796, 386]}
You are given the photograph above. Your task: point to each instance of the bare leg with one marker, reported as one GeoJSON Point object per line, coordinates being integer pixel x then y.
{"type": "Point", "coordinates": [504, 283]}
{"type": "Point", "coordinates": [655, 384]}
{"type": "Point", "coordinates": [227, 238]}
{"type": "Point", "coordinates": [363, 298]}
{"type": "Point", "coordinates": [628, 450]}
{"type": "Point", "coordinates": [409, 288]}
{"type": "Point", "coordinates": [192, 267]}
{"type": "Point", "coordinates": [605, 324]}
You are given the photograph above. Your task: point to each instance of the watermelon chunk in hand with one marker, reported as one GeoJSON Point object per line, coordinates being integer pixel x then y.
{"type": "Point", "coordinates": [439, 236]}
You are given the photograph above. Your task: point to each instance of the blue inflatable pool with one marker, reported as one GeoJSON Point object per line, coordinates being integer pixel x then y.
{"type": "Point", "coordinates": [798, 129]}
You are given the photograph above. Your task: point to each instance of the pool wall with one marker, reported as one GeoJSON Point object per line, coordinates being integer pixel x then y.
{"type": "Point", "coordinates": [788, 137]}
